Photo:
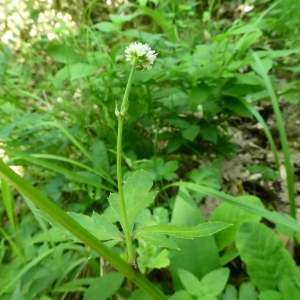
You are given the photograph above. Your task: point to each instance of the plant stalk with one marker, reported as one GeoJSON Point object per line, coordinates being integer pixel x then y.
{"type": "Point", "coordinates": [125, 223]}
{"type": "Point", "coordinates": [121, 114]}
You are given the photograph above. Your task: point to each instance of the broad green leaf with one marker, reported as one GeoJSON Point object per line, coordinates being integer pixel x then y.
{"type": "Point", "coordinates": [210, 134]}
{"type": "Point", "coordinates": [187, 232]}
{"type": "Point", "coordinates": [159, 240]}
{"type": "Point", "coordinates": [104, 287]}
{"type": "Point", "coordinates": [98, 226]}
{"type": "Point", "coordinates": [289, 288]}
{"type": "Point", "coordinates": [247, 291]}
{"type": "Point", "coordinates": [266, 259]}
{"type": "Point", "coordinates": [230, 293]}
{"type": "Point", "coordinates": [270, 295]}
{"type": "Point", "coordinates": [75, 71]}
{"type": "Point", "coordinates": [136, 194]}
{"type": "Point", "coordinates": [237, 107]}
{"type": "Point", "coordinates": [63, 53]}
{"type": "Point", "coordinates": [214, 282]}
{"type": "Point", "coordinates": [190, 282]}
{"type": "Point", "coordinates": [204, 249]}
{"type": "Point", "coordinates": [107, 27]}
{"type": "Point", "coordinates": [229, 213]}
{"type": "Point", "coordinates": [191, 132]}
{"type": "Point", "coordinates": [199, 94]}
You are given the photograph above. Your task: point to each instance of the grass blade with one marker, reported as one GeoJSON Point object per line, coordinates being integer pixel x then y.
{"type": "Point", "coordinates": [282, 133]}
{"type": "Point", "coordinates": [8, 202]}
{"type": "Point", "coordinates": [274, 216]}
{"type": "Point", "coordinates": [265, 127]}
{"type": "Point", "coordinates": [53, 167]}
{"type": "Point", "coordinates": [68, 134]}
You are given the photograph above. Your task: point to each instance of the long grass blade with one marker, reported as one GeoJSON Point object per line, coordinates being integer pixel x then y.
{"type": "Point", "coordinates": [274, 216]}
{"type": "Point", "coordinates": [53, 167]}
{"type": "Point", "coordinates": [8, 202]}
{"type": "Point", "coordinates": [282, 134]}
{"type": "Point", "coordinates": [68, 134]}
{"type": "Point", "coordinates": [265, 127]}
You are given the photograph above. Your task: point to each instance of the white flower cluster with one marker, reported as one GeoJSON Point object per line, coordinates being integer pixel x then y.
{"type": "Point", "coordinates": [142, 53]}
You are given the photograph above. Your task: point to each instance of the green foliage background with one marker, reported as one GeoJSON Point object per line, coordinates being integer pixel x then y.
{"type": "Point", "coordinates": [62, 69]}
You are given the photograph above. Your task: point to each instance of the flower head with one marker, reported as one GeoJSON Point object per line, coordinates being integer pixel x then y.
{"type": "Point", "coordinates": [142, 53]}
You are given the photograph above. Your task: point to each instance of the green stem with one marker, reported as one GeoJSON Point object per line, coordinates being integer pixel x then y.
{"type": "Point", "coordinates": [125, 102]}
{"type": "Point", "coordinates": [125, 223]}
{"type": "Point", "coordinates": [121, 114]}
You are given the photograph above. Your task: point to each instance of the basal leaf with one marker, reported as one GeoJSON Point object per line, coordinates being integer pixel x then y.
{"type": "Point", "coordinates": [229, 213]}
{"type": "Point", "coordinates": [248, 292]}
{"type": "Point", "coordinates": [136, 194]}
{"type": "Point", "coordinates": [190, 282]}
{"type": "Point", "coordinates": [159, 240]}
{"type": "Point", "coordinates": [204, 249]}
{"type": "Point", "coordinates": [266, 259]}
{"type": "Point", "coordinates": [230, 293]}
{"type": "Point", "coordinates": [215, 281]}
{"type": "Point", "coordinates": [187, 232]}
{"type": "Point", "coordinates": [104, 287]}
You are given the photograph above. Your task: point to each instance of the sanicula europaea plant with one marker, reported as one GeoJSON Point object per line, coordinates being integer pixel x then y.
{"type": "Point", "coordinates": [140, 56]}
